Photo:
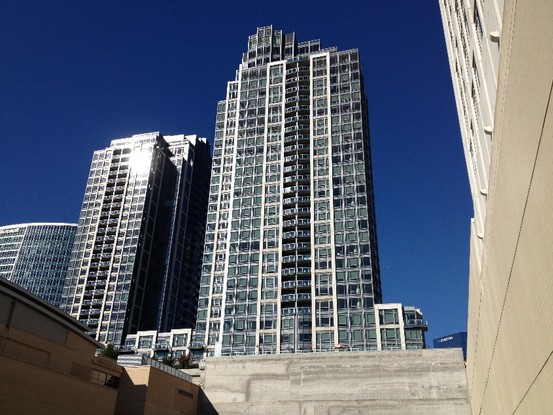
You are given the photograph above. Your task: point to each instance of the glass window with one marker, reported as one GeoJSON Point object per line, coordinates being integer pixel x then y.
{"type": "Point", "coordinates": [145, 342]}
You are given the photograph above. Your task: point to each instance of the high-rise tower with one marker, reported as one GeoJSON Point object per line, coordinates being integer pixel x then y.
{"type": "Point", "coordinates": [290, 261]}
{"type": "Point", "coordinates": [36, 256]}
{"type": "Point", "coordinates": [137, 254]}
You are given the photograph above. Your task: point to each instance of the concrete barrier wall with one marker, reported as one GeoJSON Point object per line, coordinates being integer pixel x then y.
{"type": "Point", "coordinates": [396, 382]}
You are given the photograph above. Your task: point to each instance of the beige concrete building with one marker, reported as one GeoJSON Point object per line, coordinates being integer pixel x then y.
{"type": "Point", "coordinates": [149, 387]}
{"type": "Point", "coordinates": [501, 58]}
{"type": "Point", "coordinates": [47, 360]}
{"type": "Point", "coordinates": [49, 365]}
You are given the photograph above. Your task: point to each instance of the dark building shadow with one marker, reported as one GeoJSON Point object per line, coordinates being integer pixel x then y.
{"type": "Point", "coordinates": [205, 407]}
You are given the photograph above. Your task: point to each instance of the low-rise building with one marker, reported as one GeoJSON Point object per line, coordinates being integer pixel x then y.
{"type": "Point", "coordinates": [391, 327]}
{"type": "Point", "coordinates": [399, 327]}
{"type": "Point", "coordinates": [158, 345]}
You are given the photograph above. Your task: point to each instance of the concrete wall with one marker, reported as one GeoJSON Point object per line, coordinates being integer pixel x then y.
{"type": "Point", "coordinates": [395, 382]}
{"type": "Point", "coordinates": [509, 369]}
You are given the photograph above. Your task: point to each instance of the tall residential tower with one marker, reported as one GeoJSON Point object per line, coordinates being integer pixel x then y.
{"type": "Point", "coordinates": [36, 256]}
{"type": "Point", "coordinates": [137, 254]}
{"type": "Point", "coordinates": [290, 261]}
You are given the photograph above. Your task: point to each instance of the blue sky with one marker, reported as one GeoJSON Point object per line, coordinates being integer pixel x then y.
{"type": "Point", "coordinates": [76, 74]}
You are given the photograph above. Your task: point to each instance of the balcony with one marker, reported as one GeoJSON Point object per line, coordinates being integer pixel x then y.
{"type": "Point", "coordinates": [296, 258]}
{"type": "Point", "coordinates": [161, 346]}
{"type": "Point", "coordinates": [286, 311]}
{"type": "Point", "coordinates": [294, 222]}
{"type": "Point", "coordinates": [303, 148]}
{"type": "Point", "coordinates": [95, 313]}
{"type": "Point", "coordinates": [416, 323]}
{"type": "Point", "coordinates": [293, 138]}
{"type": "Point", "coordinates": [296, 284]}
{"type": "Point", "coordinates": [297, 189]}
{"type": "Point", "coordinates": [296, 297]}
{"type": "Point", "coordinates": [297, 109]}
{"type": "Point", "coordinates": [298, 178]}
{"type": "Point", "coordinates": [296, 271]}
{"type": "Point", "coordinates": [125, 349]}
{"type": "Point", "coordinates": [300, 246]}
{"type": "Point", "coordinates": [291, 201]}
{"type": "Point", "coordinates": [296, 234]}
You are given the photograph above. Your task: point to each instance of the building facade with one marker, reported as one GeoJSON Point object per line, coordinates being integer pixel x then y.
{"type": "Point", "coordinates": [472, 39]}
{"type": "Point", "coordinates": [393, 327]}
{"type": "Point", "coordinates": [501, 60]}
{"type": "Point", "coordinates": [137, 253]}
{"type": "Point", "coordinates": [36, 256]}
{"type": "Point", "coordinates": [290, 261]}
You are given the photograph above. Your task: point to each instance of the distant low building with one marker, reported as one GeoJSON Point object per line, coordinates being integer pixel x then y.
{"type": "Point", "coordinates": [158, 345]}
{"type": "Point", "coordinates": [36, 257]}
{"type": "Point", "coordinates": [452, 340]}
{"type": "Point", "coordinates": [399, 327]}
{"type": "Point", "coordinates": [394, 327]}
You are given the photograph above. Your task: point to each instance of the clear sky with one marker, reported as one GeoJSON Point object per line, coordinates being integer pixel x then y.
{"type": "Point", "coordinates": [76, 74]}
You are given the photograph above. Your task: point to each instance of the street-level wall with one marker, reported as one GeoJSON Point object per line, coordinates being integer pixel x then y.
{"type": "Point", "coordinates": [425, 382]}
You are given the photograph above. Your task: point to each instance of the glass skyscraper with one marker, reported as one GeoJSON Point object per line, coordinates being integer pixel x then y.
{"type": "Point", "coordinates": [290, 261]}
{"type": "Point", "coordinates": [36, 256]}
{"type": "Point", "coordinates": [138, 248]}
